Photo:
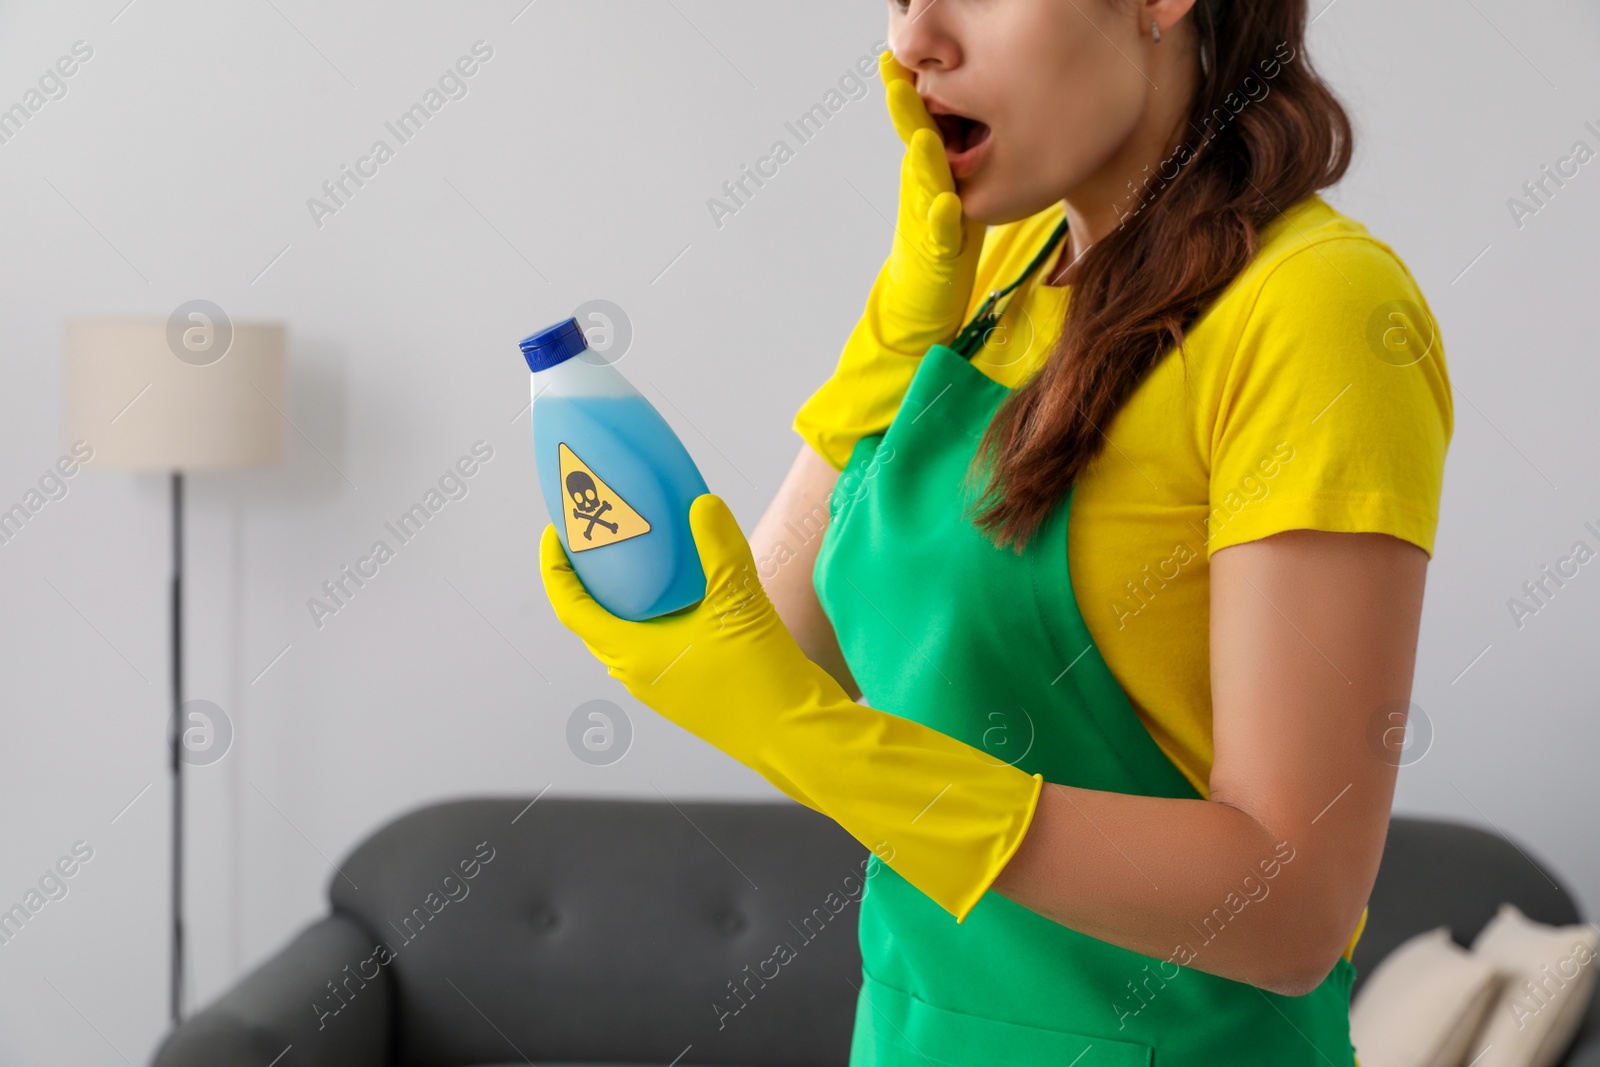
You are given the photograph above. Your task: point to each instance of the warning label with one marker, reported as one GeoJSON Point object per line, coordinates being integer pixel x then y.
{"type": "Point", "coordinates": [597, 516]}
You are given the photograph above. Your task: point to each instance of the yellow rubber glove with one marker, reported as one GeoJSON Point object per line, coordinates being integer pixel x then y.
{"type": "Point", "coordinates": [921, 294]}
{"type": "Point", "coordinates": [943, 814]}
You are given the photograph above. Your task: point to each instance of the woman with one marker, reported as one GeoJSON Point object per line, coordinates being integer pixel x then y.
{"type": "Point", "coordinates": [1243, 412]}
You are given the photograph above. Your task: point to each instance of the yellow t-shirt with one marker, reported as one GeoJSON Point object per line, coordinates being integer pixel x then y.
{"type": "Point", "coordinates": [1317, 398]}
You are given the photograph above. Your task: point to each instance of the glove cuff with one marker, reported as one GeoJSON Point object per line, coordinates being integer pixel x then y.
{"type": "Point", "coordinates": [944, 815]}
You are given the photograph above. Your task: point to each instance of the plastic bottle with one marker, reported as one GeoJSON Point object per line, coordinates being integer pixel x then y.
{"type": "Point", "coordinates": [616, 480]}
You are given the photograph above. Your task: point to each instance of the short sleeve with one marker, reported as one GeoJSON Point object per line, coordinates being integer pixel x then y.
{"type": "Point", "coordinates": [1335, 412]}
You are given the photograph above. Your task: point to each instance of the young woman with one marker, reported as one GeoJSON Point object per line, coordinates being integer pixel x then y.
{"type": "Point", "coordinates": [1130, 474]}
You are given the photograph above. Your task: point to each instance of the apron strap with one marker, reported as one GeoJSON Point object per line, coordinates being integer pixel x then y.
{"type": "Point", "coordinates": [974, 333]}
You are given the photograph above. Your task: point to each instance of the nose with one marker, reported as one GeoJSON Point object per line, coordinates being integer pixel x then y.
{"type": "Point", "coordinates": [920, 39]}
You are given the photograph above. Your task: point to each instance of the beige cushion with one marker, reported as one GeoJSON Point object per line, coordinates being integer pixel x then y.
{"type": "Point", "coordinates": [1549, 980]}
{"type": "Point", "coordinates": [1423, 1004]}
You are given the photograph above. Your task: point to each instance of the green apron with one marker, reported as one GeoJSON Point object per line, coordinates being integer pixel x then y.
{"type": "Point", "coordinates": [988, 645]}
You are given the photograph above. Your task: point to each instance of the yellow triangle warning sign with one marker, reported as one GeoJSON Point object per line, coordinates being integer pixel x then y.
{"type": "Point", "coordinates": [596, 515]}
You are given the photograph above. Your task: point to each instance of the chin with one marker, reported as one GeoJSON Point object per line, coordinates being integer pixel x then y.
{"type": "Point", "coordinates": [979, 201]}
{"type": "Point", "coordinates": [987, 198]}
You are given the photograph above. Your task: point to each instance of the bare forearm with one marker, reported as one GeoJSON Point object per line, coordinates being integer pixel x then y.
{"type": "Point", "coordinates": [785, 545]}
{"type": "Point", "coordinates": [1313, 640]}
{"type": "Point", "coordinates": [1195, 882]}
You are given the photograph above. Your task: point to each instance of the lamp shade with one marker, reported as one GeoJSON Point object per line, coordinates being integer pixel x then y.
{"type": "Point", "coordinates": [146, 395]}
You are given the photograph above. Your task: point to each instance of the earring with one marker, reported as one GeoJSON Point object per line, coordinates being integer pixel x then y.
{"type": "Point", "coordinates": [1155, 32]}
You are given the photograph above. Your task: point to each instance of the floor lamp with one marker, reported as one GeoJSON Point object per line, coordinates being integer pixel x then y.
{"type": "Point", "coordinates": [189, 393]}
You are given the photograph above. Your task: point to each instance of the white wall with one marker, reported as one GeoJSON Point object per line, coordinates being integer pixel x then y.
{"type": "Point", "coordinates": [578, 166]}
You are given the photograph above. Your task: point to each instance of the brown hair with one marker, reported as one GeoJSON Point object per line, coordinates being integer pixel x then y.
{"type": "Point", "coordinates": [1138, 289]}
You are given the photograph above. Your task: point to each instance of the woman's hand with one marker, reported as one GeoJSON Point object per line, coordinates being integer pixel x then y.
{"type": "Point", "coordinates": [729, 672]}
{"type": "Point", "coordinates": [921, 294]}
{"type": "Point", "coordinates": [935, 253]}
{"type": "Point", "coordinates": [717, 669]}
{"type": "Point", "coordinates": [724, 669]}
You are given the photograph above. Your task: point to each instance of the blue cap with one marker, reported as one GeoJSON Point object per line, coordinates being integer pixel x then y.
{"type": "Point", "coordinates": [555, 344]}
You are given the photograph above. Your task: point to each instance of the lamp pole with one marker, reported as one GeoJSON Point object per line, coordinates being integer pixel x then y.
{"type": "Point", "coordinates": [200, 408]}
{"type": "Point", "coordinates": [177, 746]}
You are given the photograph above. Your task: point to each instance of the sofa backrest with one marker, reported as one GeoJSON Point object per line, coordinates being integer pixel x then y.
{"type": "Point", "coordinates": [627, 931]}
{"type": "Point", "coordinates": [603, 930]}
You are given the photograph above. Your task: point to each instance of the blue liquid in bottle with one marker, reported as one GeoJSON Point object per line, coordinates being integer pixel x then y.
{"type": "Point", "coordinates": [616, 480]}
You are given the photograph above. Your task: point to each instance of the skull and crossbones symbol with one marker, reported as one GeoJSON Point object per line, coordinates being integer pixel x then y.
{"type": "Point", "coordinates": [588, 505]}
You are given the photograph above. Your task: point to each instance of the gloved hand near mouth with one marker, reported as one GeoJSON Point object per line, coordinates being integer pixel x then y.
{"type": "Point", "coordinates": [921, 293]}
{"type": "Point", "coordinates": [944, 815]}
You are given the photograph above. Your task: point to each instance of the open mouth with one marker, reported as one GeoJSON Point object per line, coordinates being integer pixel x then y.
{"type": "Point", "coordinates": [960, 133]}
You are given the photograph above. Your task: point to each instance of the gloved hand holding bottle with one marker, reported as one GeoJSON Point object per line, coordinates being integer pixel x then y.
{"type": "Point", "coordinates": [921, 294]}
{"type": "Point", "coordinates": [944, 815]}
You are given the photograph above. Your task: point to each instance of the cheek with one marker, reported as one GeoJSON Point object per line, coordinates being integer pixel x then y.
{"type": "Point", "coordinates": [1056, 140]}
{"type": "Point", "coordinates": [1067, 98]}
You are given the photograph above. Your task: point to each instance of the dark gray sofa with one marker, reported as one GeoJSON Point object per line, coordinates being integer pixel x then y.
{"type": "Point", "coordinates": [635, 932]}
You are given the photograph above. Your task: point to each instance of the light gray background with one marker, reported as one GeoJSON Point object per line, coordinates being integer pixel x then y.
{"type": "Point", "coordinates": [578, 167]}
